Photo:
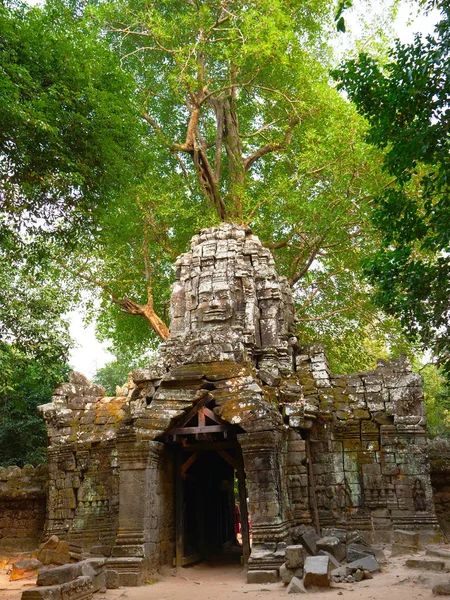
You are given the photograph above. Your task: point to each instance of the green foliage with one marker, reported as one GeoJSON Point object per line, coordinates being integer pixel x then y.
{"type": "Point", "coordinates": [103, 140]}
{"type": "Point", "coordinates": [25, 384]}
{"type": "Point", "coordinates": [308, 199]}
{"type": "Point", "coordinates": [406, 103]}
{"type": "Point", "coordinates": [68, 124]}
{"type": "Point", "coordinates": [115, 373]}
{"type": "Point", "coordinates": [437, 401]}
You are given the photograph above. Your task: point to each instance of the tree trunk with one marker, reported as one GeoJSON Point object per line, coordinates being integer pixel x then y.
{"type": "Point", "coordinates": [148, 312]}
{"type": "Point", "coordinates": [233, 146]}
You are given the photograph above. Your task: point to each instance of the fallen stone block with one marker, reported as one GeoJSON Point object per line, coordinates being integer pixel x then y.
{"type": "Point", "coordinates": [429, 537]}
{"type": "Point", "coordinates": [309, 541]}
{"type": "Point", "coordinates": [369, 563]}
{"type": "Point", "coordinates": [50, 544]}
{"type": "Point", "coordinates": [438, 552]}
{"type": "Point", "coordinates": [441, 589]}
{"type": "Point", "coordinates": [334, 562]}
{"type": "Point", "coordinates": [296, 586]}
{"type": "Point", "coordinates": [263, 576]}
{"type": "Point", "coordinates": [333, 546]}
{"type": "Point", "coordinates": [42, 593]}
{"type": "Point", "coordinates": [25, 569]}
{"type": "Point", "coordinates": [112, 579]}
{"type": "Point", "coordinates": [81, 588]}
{"type": "Point", "coordinates": [341, 534]}
{"type": "Point", "coordinates": [59, 575]}
{"type": "Point", "coordinates": [286, 574]}
{"type": "Point", "coordinates": [427, 565]}
{"type": "Point", "coordinates": [294, 556]}
{"type": "Point", "coordinates": [317, 571]}
{"type": "Point", "coordinates": [406, 538]}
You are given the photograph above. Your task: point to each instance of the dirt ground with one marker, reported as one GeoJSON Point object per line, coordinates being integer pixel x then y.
{"type": "Point", "coordinates": [213, 582]}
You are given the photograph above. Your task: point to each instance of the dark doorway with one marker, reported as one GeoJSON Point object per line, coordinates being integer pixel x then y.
{"type": "Point", "coordinates": [209, 523]}
{"type": "Point", "coordinates": [209, 488]}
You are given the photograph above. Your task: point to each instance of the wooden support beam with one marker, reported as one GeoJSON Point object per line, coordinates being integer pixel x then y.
{"type": "Point", "coordinates": [196, 429]}
{"type": "Point", "coordinates": [312, 487]}
{"type": "Point", "coordinates": [208, 446]}
{"type": "Point", "coordinates": [191, 413]}
{"type": "Point", "coordinates": [244, 513]}
{"type": "Point", "coordinates": [229, 459]}
{"type": "Point", "coordinates": [190, 461]}
{"type": "Point", "coordinates": [179, 503]}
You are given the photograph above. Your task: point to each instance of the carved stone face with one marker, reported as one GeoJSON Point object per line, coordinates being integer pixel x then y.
{"type": "Point", "coordinates": [216, 306]}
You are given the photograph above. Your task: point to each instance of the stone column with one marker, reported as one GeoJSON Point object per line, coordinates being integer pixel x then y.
{"type": "Point", "coordinates": [138, 460]}
{"type": "Point", "coordinates": [264, 461]}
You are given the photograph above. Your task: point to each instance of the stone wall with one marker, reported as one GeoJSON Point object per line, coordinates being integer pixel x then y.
{"type": "Point", "coordinates": [347, 451]}
{"type": "Point", "coordinates": [439, 451]}
{"type": "Point", "coordinates": [83, 486]}
{"type": "Point", "coordinates": [22, 508]}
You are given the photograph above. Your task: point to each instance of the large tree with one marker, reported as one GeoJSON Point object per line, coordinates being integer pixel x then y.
{"type": "Point", "coordinates": [68, 123]}
{"type": "Point", "coordinates": [242, 125]}
{"type": "Point", "coordinates": [406, 102]}
{"type": "Point", "coordinates": [229, 115]}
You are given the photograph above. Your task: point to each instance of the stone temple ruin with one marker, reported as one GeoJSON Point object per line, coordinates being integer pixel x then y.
{"type": "Point", "coordinates": [234, 411]}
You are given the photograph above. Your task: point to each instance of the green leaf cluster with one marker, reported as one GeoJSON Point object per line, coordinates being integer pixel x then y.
{"type": "Point", "coordinates": [406, 103]}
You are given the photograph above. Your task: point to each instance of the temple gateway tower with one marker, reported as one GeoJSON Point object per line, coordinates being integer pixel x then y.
{"type": "Point", "coordinates": [234, 412]}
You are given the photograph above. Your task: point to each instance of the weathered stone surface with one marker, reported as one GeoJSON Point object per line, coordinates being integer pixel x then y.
{"type": "Point", "coordinates": [296, 586]}
{"type": "Point", "coordinates": [317, 571]}
{"type": "Point", "coordinates": [233, 351]}
{"type": "Point", "coordinates": [295, 556]}
{"type": "Point", "coordinates": [269, 576]}
{"type": "Point", "coordinates": [58, 575]}
{"type": "Point", "coordinates": [429, 537]}
{"type": "Point", "coordinates": [112, 579]}
{"type": "Point", "coordinates": [80, 588]}
{"type": "Point", "coordinates": [286, 574]}
{"type": "Point", "coordinates": [438, 552]}
{"type": "Point", "coordinates": [42, 593]}
{"type": "Point", "coordinates": [334, 563]}
{"type": "Point", "coordinates": [333, 546]}
{"type": "Point", "coordinates": [309, 541]}
{"type": "Point", "coordinates": [368, 563]}
{"type": "Point", "coordinates": [25, 569]}
{"type": "Point", "coordinates": [441, 589]}
{"type": "Point", "coordinates": [425, 564]}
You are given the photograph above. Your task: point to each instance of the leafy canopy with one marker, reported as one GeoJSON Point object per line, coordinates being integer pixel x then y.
{"type": "Point", "coordinates": [407, 104]}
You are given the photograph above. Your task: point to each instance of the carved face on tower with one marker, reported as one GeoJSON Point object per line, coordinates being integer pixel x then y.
{"type": "Point", "coordinates": [227, 286]}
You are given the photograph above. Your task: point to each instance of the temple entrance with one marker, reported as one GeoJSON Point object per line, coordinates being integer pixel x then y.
{"type": "Point", "coordinates": [211, 519]}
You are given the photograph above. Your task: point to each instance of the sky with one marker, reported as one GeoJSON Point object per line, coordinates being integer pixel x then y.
{"type": "Point", "coordinates": [89, 354]}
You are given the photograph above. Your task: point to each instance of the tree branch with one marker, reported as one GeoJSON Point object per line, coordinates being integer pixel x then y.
{"type": "Point", "coordinates": [273, 146]}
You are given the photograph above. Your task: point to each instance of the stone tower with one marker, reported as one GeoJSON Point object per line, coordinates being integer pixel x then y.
{"type": "Point", "coordinates": [143, 476]}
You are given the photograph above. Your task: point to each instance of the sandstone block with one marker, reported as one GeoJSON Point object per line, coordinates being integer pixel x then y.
{"type": "Point", "coordinates": [429, 537]}
{"type": "Point", "coordinates": [317, 571]}
{"type": "Point", "coordinates": [441, 589]}
{"type": "Point", "coordinates": [80, 588]}
{"type": "Point", "coordinates": [112, 579]}
{"type": "Point", "coordinates": [59, 575]}
{"type": "Point", "coordinates": [287, 574]}
{"type": "Point", "coordinates": [332, 545]}
{"type": "Point", "coordinates": [42, 593]}
{"type": "Point", "coordinates": [427, 565]}
{"type": "Point", "coordinates": [406, 538]}
{"type": "Point", "coordinates": [334, 563]}
{"type": "Point", "coordinates": [309, 541]}
{"type": "Point", "coordinates": [369, 563]}
{"type": "Point", "coordinates": [438, 552]}
{"type": "Point", "coordinates": [263, 576]}
{"type": "Point", "coordinates": [25, 569]}
{"type": "Point", "coordinates": [294, 556]}
{"type": "Point", "coordinates": [296, 586]}
{"type": "Point", "coordinates": [52, 557]}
